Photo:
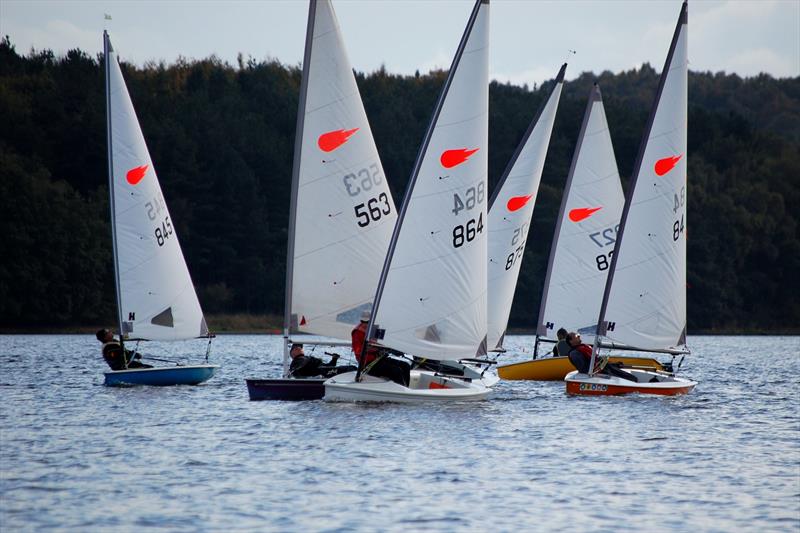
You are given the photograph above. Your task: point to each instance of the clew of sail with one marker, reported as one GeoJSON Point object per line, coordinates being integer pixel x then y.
{"type": "Point", "coordinates": [156, 297]}
{"type": "Point", "coordinates": [431, 300]}
{"type": "Point", "coordinates": [645, 297]}
{"type": "Point", "coordinates": [586, 230]}
{"type": "Point", "coordinates": [342, 213]}
{"type": "Point", "coordinates": [510, 212]}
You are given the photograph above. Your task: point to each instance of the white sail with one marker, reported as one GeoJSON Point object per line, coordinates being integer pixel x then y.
{"type": "Point", "coordinates": [342, 213]}
{"type": "Point", "coordinates": [431, 301]}
{"type": "Point", "coordinates": [645, 304]}
{"type": "Point", "coordinates": [510, 212]}
{"type": "Point", "coordinates": [586, 230]}
{"type": "Point", "coordinates": [156, 297]}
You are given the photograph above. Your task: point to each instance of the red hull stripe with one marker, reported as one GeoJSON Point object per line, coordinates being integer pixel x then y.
{"type": "Point", "coordinates": [593, 389]}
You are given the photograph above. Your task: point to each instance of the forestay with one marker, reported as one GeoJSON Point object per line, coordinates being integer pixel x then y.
{"type": "Point", "coordinates": [431, 301]}
{"type": "Point", "coordinates": [586, 230]}
{"type": "Point", "coordinates": [510, 212]}
{"type": "Point", "coordinates": [342, 212]}
{"type": "Point", "coordinates": [645, 301]}
{"type": "Point", "coordinates": [156, 297]}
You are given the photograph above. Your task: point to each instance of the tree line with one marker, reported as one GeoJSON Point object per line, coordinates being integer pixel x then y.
{"type": "Point", "coordinates": [221, 137]}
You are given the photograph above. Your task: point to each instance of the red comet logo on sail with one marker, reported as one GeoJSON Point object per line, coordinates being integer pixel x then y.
{"type": "Point", "coordinates": [665, 165]}
{"type": "Point", "coordinates": [452, 158]}
{"type": "Point", "coordinates": [135, 175]}
{"type": "Point", "coordinates": [518, 202]}
{"type": "Point", "coordinates": [582, 213]}
{"type": "Point", "coordinates": [328, 142]}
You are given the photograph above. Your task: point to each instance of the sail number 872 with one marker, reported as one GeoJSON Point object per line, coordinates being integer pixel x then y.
{"type": "Point", "coordinates": [467, 232]}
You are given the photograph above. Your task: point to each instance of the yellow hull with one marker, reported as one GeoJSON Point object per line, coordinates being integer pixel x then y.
{"type": "Point", "coordinates": [557, 368]}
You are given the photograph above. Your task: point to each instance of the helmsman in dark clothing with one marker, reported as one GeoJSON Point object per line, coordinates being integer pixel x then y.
{"type": "Point", "coordinates": [112, 353]}
{"type": "Point", "coordinates": [562, 347]}
{"type": "Point", "coordinates": [307, 366]}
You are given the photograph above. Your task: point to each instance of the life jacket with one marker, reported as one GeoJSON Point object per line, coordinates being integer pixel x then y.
{"type": "Point", "coordinates": [585, 349]}
{"type": "Point", "coordinates": [358, 335]}
{"type": "Point", "coordinates": [112, 353]}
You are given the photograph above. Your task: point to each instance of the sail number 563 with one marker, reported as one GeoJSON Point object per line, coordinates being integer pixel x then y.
{"type": "Point", "coordinates": [373, 209]}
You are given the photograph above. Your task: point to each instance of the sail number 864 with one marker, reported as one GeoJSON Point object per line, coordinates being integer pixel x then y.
{"type": "Point", "coordinates": [467, 232]}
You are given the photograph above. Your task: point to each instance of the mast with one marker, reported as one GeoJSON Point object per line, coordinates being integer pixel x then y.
{"type": "Point", "coordinates": [298, 148]}
{"type": "Point", "coordinates": [106, 53]}
{"type": "Point", "coordinates": [601, 325]}
{"type": "Point", "coordinates": [412, 182]}
{"type": "Point", "coordinates": [594, 96]}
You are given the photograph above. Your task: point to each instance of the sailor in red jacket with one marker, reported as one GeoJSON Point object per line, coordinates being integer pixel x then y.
{"type": "Point", "coordinates": [358, 335]}
{"type": "Point", "coordinates": [384, 366]}
{"type": "Point", "coordinates": [581, 357]}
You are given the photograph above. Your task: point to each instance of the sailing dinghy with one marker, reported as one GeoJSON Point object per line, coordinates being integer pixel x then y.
{"type": "Point", "coordinates": [582, 246]}
{"type": "Point", "coordinates": [644, 302]}
{"type": "Point", "coordinates": [341, 214]}
{"type": "Point", "coordinates": [156, 299]}
{"type": "Point", "coordinates": [431, 298]}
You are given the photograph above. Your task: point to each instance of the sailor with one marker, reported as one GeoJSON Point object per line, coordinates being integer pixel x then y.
{"type": "Point", "coordinates": [562, 347]}
{"type": "Point", "coordinates": [376, 363]}
{"type": "Point", "coordinates": [581, 356]}
{"type": "Point", "coordinates": [112, 352]}
{"type": "Point", "coordinates": [306, 366]}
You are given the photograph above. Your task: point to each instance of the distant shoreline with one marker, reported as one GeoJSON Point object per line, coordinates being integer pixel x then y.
{"type": "Point", "coordinates": [247, 324]}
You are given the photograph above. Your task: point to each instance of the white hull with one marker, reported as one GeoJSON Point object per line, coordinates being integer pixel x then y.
{"type": "Point", "coordinates": [424, 387]}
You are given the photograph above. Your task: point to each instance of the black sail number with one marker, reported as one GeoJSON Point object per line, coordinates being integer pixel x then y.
{"type": "Point", "coordinates": [467, 232]}
{"type": "Point", "coordinates": [372, 210]}
{"type": "Point", "coordinates": [164, 231]}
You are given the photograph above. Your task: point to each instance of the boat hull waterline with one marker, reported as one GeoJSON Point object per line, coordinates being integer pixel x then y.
{"type": "Point", "coordinates": [293, 389]}
{"type": "Point", "coordinates": [161, 376]}
{"type": "Point", "coordinates": [424, 387]}
{"type": "Point", "coordinates": [604, 385]}
{"type": "Point", "coordinates": [557, 368]}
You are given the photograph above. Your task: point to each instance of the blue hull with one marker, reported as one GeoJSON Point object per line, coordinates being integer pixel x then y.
{"type": "Point", "coordinates": [286, 389]}
{"type": "Point", "coordinates": [163, 376]}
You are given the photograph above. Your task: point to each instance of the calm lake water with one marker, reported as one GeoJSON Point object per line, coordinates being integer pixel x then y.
{"type": "Point", "coordinates": [75, 454]}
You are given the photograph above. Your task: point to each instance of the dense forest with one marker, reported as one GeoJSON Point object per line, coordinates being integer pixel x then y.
{"type": "Point", "coordinates": [222, 138]}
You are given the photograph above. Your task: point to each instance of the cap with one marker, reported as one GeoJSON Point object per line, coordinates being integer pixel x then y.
{"type": "Point", "coordinates": [365, 316]}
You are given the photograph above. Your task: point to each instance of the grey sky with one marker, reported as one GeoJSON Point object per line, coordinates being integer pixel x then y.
{"type": "Point", "coordinates": [529, 39]}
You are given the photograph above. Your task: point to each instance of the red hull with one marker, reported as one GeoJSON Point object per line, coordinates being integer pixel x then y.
{"type": "Point", "coordinates": [591, 389]}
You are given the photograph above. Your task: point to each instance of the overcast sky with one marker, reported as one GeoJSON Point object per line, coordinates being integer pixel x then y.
{"type": "Point", "coordinates": [529, 39]}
